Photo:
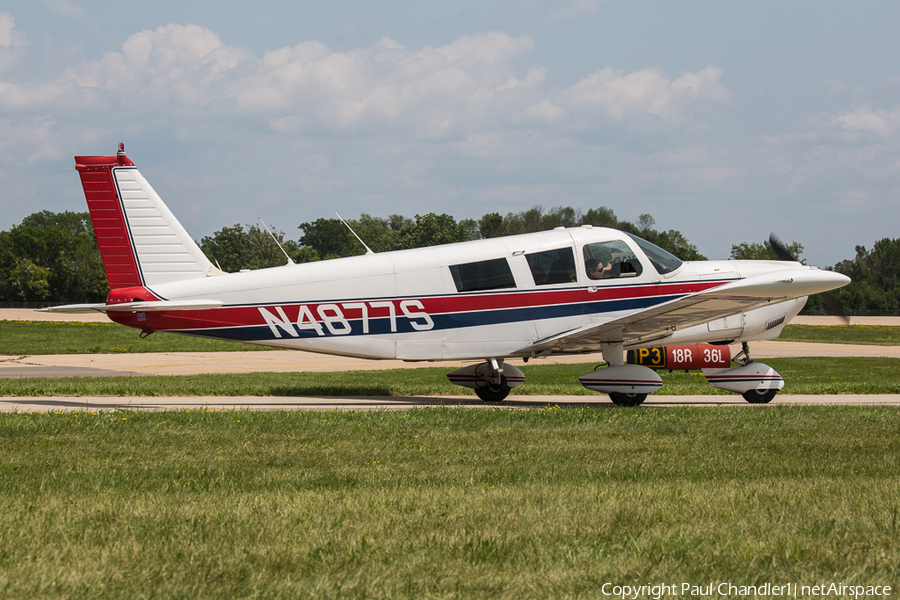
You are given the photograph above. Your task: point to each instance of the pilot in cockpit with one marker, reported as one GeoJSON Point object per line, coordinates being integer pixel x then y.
{"type": "Point", "coordinates": [597, 269]}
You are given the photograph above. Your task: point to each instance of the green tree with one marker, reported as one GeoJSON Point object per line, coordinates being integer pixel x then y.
{"type": "Point", "coordinates": [672, 240]}
{"type": "Point", "coordinates": [490, 225]}
{"type": "Point", "coordinates": [433, 229]}
{"type": "Point", "coordinates": [379, 234]}
{"type": "Point", "coordinates": [876, 279]}
{"type": "Point", "coordinates": [600, 217]}
{"type": "Point", "coordinates": [28, 281]}
{"type": "Point", "coordinates": [645, 224]}
{"type": "Point", "coordinates": [51, 257]}
{"type": "Point", "coordinates": [675, 242]}
{"type": "Point", "coordinates": [330, 239]}
{"type": "Point", "coordinates": [247, 247]}
{"type": "Point", "coordinates": [763, 251]}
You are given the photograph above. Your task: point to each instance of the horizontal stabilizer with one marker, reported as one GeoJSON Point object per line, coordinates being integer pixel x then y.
{"type": "Point", "coordinates": [153, 306]}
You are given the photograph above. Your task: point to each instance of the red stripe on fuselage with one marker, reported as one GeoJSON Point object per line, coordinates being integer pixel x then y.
{"type": "Point", "coordinates": [244, 316]}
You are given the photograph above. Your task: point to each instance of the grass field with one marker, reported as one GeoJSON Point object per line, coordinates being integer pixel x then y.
{"type": "Point", "coordinates": [811, 375]}
{"type": "Point", "coordinates": [875, 335]}
{"type": "Point", "coordinates": [445, 503]}
{"type": "Point", "coordinates": [57, 337]}
{"type": "Point", "coordinates": [47, 337]}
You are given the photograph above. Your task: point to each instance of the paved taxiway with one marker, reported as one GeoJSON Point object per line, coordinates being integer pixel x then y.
{"type": "Point", "coordinates": [219, 403]}
{"type": "Point", "coordinates": [192, 363]}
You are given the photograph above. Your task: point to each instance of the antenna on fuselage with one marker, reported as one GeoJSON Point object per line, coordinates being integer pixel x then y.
{"type": "Point", "coordinates": [290, 260]}
{"type": "Point", "coordinates": [368, 250]}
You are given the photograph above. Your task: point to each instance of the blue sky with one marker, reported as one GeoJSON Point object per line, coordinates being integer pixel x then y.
{"type": "Point", "coordinates": [724, 120]}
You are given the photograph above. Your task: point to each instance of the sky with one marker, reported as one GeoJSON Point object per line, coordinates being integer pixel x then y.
{"type": "Point", "coordinates": [724, 120]}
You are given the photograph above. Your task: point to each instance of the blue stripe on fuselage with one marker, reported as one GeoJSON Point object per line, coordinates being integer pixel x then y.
{"type": "Point", "coordinates": [444, 321]}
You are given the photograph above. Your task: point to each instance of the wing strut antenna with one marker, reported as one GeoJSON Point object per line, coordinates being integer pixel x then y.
{"type": "Point", "coordinates": [368, 250]}
{"type": "Point", "coordinates": [290, 260]}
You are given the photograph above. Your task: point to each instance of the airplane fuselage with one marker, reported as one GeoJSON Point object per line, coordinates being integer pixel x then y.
{"type": "Point", "coordinates": [415, 304]}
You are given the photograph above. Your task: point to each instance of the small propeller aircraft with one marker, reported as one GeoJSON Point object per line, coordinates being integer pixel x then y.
{"type": "Point", "coordinates": [566, 291]}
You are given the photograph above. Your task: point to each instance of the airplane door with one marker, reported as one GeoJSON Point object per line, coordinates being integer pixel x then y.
{"type": "Point", "coordinates": [418, 304]}
{"type": "Point", "coordinates": [614, 281]}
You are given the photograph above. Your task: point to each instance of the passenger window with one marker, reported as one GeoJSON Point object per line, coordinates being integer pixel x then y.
{"type": "Point", "coordinates": [610, 260]}
{"type": "Point", "coordinates": [483, 275]}
{"type": "Point", "coordinates": [552, 266]}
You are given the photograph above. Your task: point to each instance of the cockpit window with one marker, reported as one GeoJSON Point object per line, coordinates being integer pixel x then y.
{"type": "Point", "coordinates": [663, 261]}
{"type": "Point", "coordinates": [483, 275]}
{"type": "Point", "coordinates": [610, 260]}
{"type": "Point", "coordinates": [552, 267]}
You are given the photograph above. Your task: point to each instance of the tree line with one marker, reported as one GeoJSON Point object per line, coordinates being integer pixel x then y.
{"type": "Point", "coordinates": [53, 257]}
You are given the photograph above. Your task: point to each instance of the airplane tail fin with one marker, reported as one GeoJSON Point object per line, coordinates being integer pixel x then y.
{"type": "Point", "coordinates": [140, 240]}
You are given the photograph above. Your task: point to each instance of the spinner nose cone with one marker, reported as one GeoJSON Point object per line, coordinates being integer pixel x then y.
{"type": "Point", "coordinates": [817, 281]}
{"type": "Point", "coordinates": [837, 280]}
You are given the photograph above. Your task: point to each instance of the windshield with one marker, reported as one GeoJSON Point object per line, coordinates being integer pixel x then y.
{"type": "Point", "coordinates": [663, 261]}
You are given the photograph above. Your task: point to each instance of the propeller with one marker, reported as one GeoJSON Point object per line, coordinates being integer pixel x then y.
{"type": "Point", "coordinates": [783, 253]}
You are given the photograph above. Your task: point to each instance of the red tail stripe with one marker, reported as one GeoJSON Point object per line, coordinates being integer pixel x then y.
{"type": "Point", "coordinates": [109, 222]}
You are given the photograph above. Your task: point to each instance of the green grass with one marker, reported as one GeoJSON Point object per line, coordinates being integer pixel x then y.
{"type": "Point", "coordinates": [875, 335]}
{"type": "Point", "coordinates": [802, 376]}
{"type": "Point", "coordinates": [19, 338]}
{"type": "Point", "coordinates": [445, 503]}
{"type": "Point", "coordinates": [49, 337]}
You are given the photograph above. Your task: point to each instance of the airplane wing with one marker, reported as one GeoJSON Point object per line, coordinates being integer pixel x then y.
{"type": "Point", "coordinates": [654, 323]}
{"type": "Point", "coordinates": [152, 306]}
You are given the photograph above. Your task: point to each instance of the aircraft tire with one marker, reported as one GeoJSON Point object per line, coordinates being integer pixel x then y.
{"type": "Point", "coordinates": [493, 393]}
{"type": "Point", "coordinates": [620, 399]}
{"type": "Point", "coordinates": [755, 397]}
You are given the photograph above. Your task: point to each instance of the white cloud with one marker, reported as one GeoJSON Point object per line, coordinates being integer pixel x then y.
{"type": "Point", "coordinates": [10, 40]}
{"type": "Point", "coordinates": [880, 122]}
{"type": "Point", "coordinates": [618, 96]}
{"type": "Point", "coordinates": [544, 112]}
{"type": "Point", "coordinates": [28, 141]}
{"type": "Point", "coordinates": [37, 95]}
{"type": "Point", "coordinates": [536, 76]}
{"type": "Point", "coordinates": [175, 62]}
{"type": "Point", "coordinates": [431, 89]}
{"type": "Point", "coordinates": [475, 83]}
{"type": "Point", "coordinates": [9, 37]}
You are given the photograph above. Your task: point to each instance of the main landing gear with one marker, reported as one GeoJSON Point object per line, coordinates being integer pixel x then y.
{"type": "Point", "coordinates": [628, 400]}
{"type": "Point", "coordinates": [492, 380]}
{"type": "Point", "coordinates": [758, 383]}
{"type": "Point", "coordinates": [627, 384]}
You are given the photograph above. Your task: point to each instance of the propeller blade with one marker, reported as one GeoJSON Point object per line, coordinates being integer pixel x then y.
{"type": "Point", "coordinates": [783, 253]}
{"type": "Point", "coordinates": [780, 249]}
{"type": "Point", "coordinates": [835, 308]}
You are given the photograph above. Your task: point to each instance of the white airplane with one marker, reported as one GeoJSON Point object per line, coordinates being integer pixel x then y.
{"type": "Point", "coordinates": [566, 291]}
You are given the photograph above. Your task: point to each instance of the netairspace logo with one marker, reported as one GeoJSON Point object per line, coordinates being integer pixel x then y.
{"type": "Point", "coordinates": [786, 590]}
